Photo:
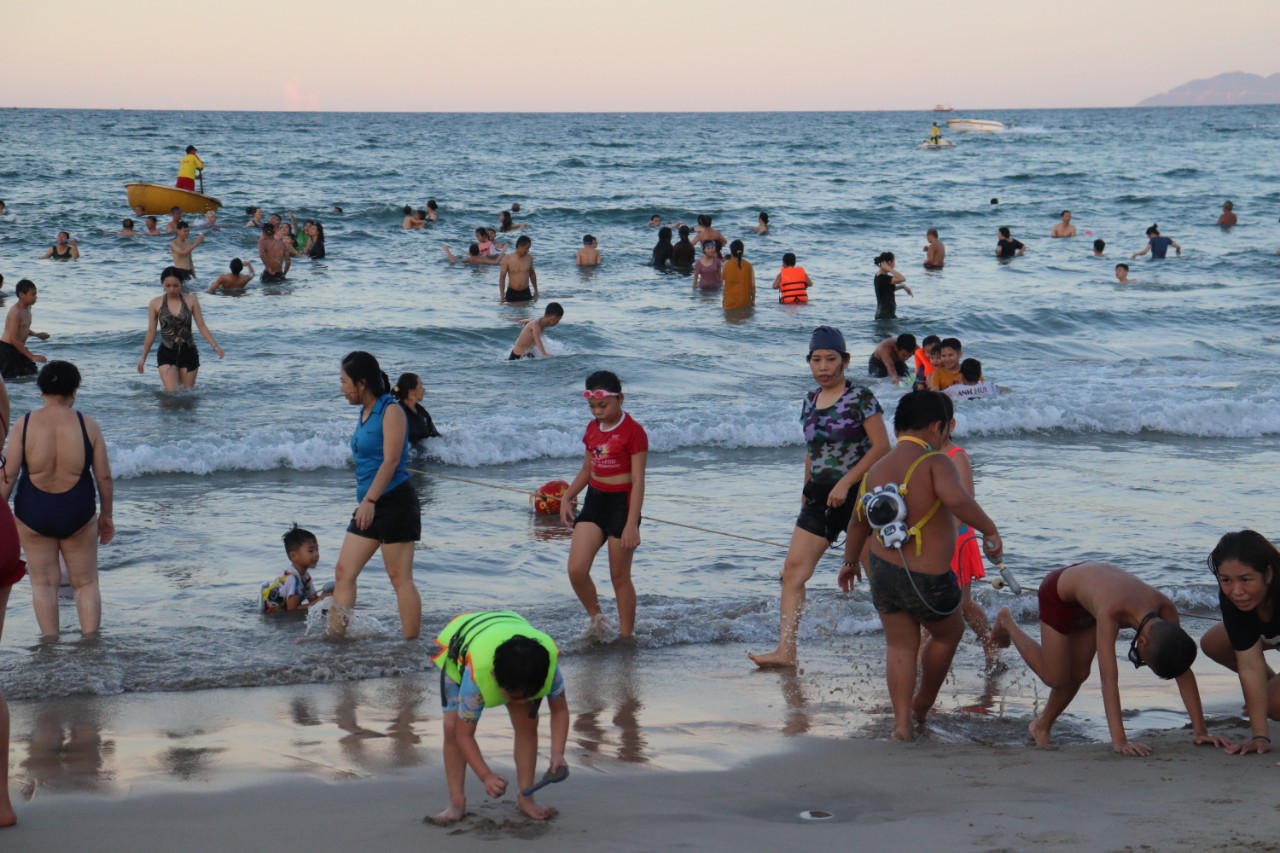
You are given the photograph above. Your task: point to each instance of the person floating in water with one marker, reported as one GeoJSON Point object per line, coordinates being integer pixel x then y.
{"type": "Point", "coordinates": [1228, 217]}
{"type": "Point", "coordinates": [190, 166]}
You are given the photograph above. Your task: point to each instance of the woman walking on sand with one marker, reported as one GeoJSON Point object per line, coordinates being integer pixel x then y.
{"type": "Point", "coordinates": [845, 433]}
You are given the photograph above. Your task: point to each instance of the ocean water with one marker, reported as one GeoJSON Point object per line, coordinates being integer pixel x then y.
{"type": "Point", "coordinates": [1141, 426]}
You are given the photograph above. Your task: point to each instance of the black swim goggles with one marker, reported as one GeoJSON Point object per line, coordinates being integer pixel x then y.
{"type": "Point", "coordinates": [1135, 656]}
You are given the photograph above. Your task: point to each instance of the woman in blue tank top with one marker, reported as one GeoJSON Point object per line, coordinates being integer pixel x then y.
{"type": "Point", "coordinates": [387, 514]}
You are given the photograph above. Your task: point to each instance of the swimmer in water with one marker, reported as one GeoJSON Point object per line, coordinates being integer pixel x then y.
{"type": "Point", "coordinates": [1064, 228]}
{"type": "Point", "coordinates": [589, 254]}
{"type": "Point", "coordinates": [1122, 274]}
{"type": "Point", "coordinates": [531, 334]}
{"type": "Point", "coordinates": [1228, 217]}
{"type": "Point", "coordinates": [1099, 248]}
{"type": "Point", "coordinates": [935, 253]}
{"type": "Point", "coordinates": [128, 230]}
{"type": "Point", "coordinates": [762, 223]}
{"type": "Point", "coordinates": [473, 256]}
{"type": "Point", "coordinates": [234, 280]}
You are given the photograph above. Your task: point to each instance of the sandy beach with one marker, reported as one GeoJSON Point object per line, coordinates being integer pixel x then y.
{"type": "Point", "coordinates": [335, 766]}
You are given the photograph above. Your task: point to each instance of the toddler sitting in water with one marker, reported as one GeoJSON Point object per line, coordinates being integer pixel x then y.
{"type": "Point", "coordinates": [294, 590]}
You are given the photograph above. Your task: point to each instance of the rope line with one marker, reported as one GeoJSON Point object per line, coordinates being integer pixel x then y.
{"type": "Point", "coordinates": [712, 531]}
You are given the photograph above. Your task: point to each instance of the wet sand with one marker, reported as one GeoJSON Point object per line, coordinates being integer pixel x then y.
{"type": "Point", "coordinates": [724, 760]}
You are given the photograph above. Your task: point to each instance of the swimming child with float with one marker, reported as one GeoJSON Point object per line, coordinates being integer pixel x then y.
{"type": "Point", "coordinates": [294, 590]}
{"type": "Point", "coordinates": [613, 474]}
{"type": "Point", "coordinates": [486, 660]}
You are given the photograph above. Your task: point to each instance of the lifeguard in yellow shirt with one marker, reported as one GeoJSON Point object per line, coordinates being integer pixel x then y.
{"type": "Point", "coordinates": [187, 169]}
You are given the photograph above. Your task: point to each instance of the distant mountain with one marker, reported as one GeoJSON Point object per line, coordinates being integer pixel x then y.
{"type": "Point", "coordinates": [1232, 88]}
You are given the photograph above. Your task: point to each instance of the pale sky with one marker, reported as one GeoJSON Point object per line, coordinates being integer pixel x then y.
{"type": "Point", "coordinates": [622, 55]}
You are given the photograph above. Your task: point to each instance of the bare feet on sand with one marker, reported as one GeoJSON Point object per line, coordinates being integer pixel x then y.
{"type": "Point", "coordinates": [1000, 637]}
{"type": "Point", "coordinates": [1038, 734]}
{"type": "Point", "coordinates": [774, 660]}
{"type": "Point", "coordinates": [532, 808]}
{"type": "Point", "coordinates": [449, 816]}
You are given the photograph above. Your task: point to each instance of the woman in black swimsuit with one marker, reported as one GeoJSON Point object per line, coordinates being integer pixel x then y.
{"type": "Point", "coordinates": [178, 360]}
{"type": "Point", "coordinates": [55, 455]}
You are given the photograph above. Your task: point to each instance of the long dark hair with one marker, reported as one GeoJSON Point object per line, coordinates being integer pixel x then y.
{"type": "Point", "coordinates": [735, 250]}
{"type": "Point", "coordinates": [316, 249]}
{"type": "Point", "coordinates": [363, 369]}
{"type": "Point", "coordinates": [1255, 551]}
{"type": "Point", "coordinates": [406, 383]}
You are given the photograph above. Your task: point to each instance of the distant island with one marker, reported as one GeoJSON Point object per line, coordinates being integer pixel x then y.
{"type": "Point", "coordinates": [1235, 87]}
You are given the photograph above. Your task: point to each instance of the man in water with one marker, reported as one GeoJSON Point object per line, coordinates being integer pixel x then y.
{"type": "Point", "coordinates": [1083, 608]}
{"type": "Point", "coordinates": [531, 335]}
{"type": "Point", "coordinates": [589, 254]}
{"type": "Point", "coordinates": [181, 248]}
{"type": "Point", "coordinates": [15, 358]}
{"type": "Point", "coordinates": [889, 358]}
{"type": "Point", "coordinates": [1122, 274]}
{"type": "Point", "coordinates": [517, 276]}
{"type": "Point", "coordinates": [128, 230]}
{"type": "Point", "coordinates": [274, 255]}
{"type": "Point", "coordinates": [1099, 248]}
{"type": "Point", "coordinates": [234, 280]}
{"type": "Point", "coordinates": [908, 560]}
{"type": "Point", "coordinates": [187, 170]}
{"type": "Point", "coordinates": [175, 216]}
{"type": "Point", "coordinates": [1064, 228]}
{"type": "Point", "coordinates": [1157, 245]}
{"type": "Point", "coordinates": [935, 253]}
{"type": "Point", "coordinates": [64, 250]}
{"type": "Point", "coordinates": [1228, 217]}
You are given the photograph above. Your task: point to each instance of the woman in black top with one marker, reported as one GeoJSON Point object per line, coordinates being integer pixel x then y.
{"type": "Point", "coordinates": [662, 251]}
{"type": "Point", "coordinates": [1247, 567]}
{"type": "Point", "coordinates": [1006, 246]}
{"type": "Point", "coordinates": [409, 392]}
{"type": "Point", "coordinates": [887, 282]}
{"type": "Point", "coordinates": [683, 253]}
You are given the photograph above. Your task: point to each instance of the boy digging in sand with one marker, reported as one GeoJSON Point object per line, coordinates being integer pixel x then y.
{"type": "Point", "coordinates": [488, 659]}
{"type": "Point", "coordinates": [1082, 609]}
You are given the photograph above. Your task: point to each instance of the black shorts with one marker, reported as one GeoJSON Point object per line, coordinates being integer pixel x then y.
{"type": "Point", "coordinates": [514, 357]}
{"type": "Point", "coordinates": [928, 598]}
{"type": "Point", "coordinates": [272, 277]}
{"type": "Point", "coordinates": [397, 517]}
{"type": "Point", "coordinates": [606, 510]}
{"type": "Point", "coordinates": [14, 363]}
{"type": "Point", "coordinates": [183, 357]}
{"type": "Point", "coordinates": [876, 368]}
{"type": "Point", "coordinates": [818, 518]}
{"type": "Point", "coordinates": [525, 295]}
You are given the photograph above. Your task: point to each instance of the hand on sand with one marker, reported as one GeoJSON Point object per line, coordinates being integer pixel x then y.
{"type": "Point", "coordinates": [1207, 739]}
{"type": "Point", "coordinates": [1258, 745]}
{"type": "Point", "coordinates": [495, 785]}
{"type": "Point", "coordinates": [1131, 748]}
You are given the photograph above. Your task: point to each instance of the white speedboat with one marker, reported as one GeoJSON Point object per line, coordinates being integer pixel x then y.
{"type": "Point", "coordinates": [940, 145]}
{"type": "Point", "coordinates": [974, 125]}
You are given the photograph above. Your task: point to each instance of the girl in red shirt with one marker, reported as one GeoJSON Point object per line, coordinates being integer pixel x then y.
{"type": "Point", "coordinates": [613, 474]}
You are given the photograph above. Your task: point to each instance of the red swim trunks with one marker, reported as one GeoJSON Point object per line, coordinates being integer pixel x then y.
{"type": "Point", "coordinates": [186, 184]}
{"type": "Point", "coordinates": [12, 567]}
{"type": "Point", "coordinates": [1059, 615]}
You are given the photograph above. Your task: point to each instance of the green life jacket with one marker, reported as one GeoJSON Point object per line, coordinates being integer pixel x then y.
{"type": "Point", "coordinates": [472, 639]}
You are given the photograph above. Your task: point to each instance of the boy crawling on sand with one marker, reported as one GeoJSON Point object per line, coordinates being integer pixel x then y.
{"type": "Point", "coordinates": [497, 658]}
{"type": "Point", "coordinates": [1082, 609]}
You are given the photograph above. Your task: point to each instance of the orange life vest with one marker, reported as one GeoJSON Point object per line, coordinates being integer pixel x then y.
{"type": "Point", "coordinates": [792, 289]}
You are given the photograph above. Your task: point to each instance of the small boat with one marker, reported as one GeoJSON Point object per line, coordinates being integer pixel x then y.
{"type": "Point", "coordinates": [157, 199]}
{"type": "Point", "coordinates": [940, 145]}
{"type": "Point", "coordinates": [943, 108]}
{"type": "Point", "coordinates": [974, 125]}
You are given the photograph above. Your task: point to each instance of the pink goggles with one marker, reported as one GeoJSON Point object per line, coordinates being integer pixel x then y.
{"type": "Point", "coordinates": [599, 394]}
